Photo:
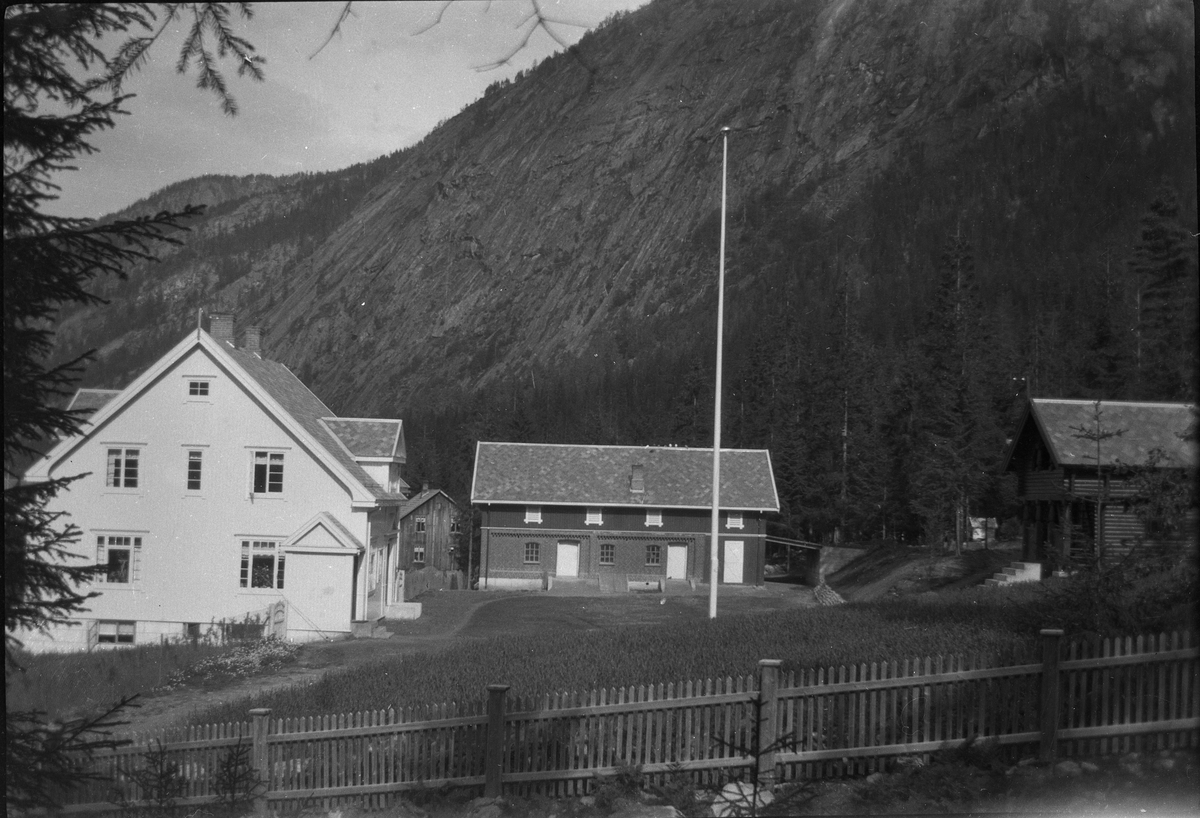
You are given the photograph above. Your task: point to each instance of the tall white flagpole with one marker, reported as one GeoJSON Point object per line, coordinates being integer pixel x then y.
{"type": "Point", "coordinates": [714, 543]}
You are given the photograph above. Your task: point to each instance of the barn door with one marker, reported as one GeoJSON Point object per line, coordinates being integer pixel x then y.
{"type": "Point", "coordinates": [734, 563]}
{"type": "Point", "coordinates": [677, 561]}
{"type": "Point", "coordinates": [567, 562]}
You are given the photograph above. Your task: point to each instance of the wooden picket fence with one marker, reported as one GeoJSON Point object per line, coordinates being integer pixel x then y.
{"type": "Point", "coordinates": [1081, 699]}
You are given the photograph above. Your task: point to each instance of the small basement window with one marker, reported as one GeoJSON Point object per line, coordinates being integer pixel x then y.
{"type": "Point", "coordinates": [113, 632]}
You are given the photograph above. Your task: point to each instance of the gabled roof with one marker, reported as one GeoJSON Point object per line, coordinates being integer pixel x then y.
{"type": "Point", "coordinates": [272, 384]}
{"type": "Point", "coordinates": [369, 437]}
{"type": "Point", "coordinates": [420, 499]}
{"type": "Point", "coordinates": [89, 400]}
{"type": "Point", "coordinates": [1143, 428]}
{"type": "Point", "coordinates": [323, 533]}
{"type": "Point", "coordinates": [553, 474]}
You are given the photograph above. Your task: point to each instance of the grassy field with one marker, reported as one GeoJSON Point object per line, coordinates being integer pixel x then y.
{"type": "Point", "coordinates": [70, 685]}
{"type": "Point", "coordinates": [545, 652]}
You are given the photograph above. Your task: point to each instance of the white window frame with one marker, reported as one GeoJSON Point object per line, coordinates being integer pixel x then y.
{"type": "Point", "coordinates": [654, 517]}
{"type": "Point", "coordinates": [203, 381]}
{"type": "Point", "coordinates": [533, 515]}
{"type": "Point", "coordinates": [202, 448]}
{"type": "Point", "coordinates": [735, 519]}
{"type": "Point", "coordinates": [418, 552]}
{"type": "Point", "coordinates": [270, 453]}
{"type": "Point", "coordinates": [119, 486]}
{"type": "Point", "coordinates": [419, 525]}
{"type": "Point", "coordinates": [116, 628]}
{"type": "Point", "coordinates": [127, 542]}
{"type": "Point", "coordinates": [593, 516]}
{"type": "Point", "coordinates": [246, 552]}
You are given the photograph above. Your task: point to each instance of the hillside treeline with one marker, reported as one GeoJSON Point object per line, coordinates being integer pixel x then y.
{"type": "Point", "coordinates": [871, 437]}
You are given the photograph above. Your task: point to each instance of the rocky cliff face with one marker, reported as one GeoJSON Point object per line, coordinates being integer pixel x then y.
{"type": "Point", "coordinates": [569, 219]}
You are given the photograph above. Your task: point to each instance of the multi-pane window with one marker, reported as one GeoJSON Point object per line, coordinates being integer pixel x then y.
{"type": "Point", "coordinates": [654, 555]}
{"type": "Point", "coordinates": [533, 514]}
{"type": "Point", "coordinates": [532, 552]}
{"type": "Point", "coordinates": [419, 552]}
{"type": "Point", "coordinates": [122, 468]}
{"type": "Point", "coordinates": [455, 526]}
{"type": "Point", "coordinates": [262, 564]}
{"type": "Point", "coordinates": [594, 517]}
{"type": "Point", "coordinates": [197, 389]}
{"type": "Point", "coordinates": [734, 520]}
{"type": "Point", "coordinates": [268, 472]}
{"type": "Point", "coordinates": [113, 632]}
{"type": "Point", "coordinates": [654, 516]}
{"type": "Point", "coordinates": [420, 522]}
{"type": "Point", "coordinates": [195, 461]}
{"type": "Point", "coordinates": [608, 553]}
{"type": "Point", "coordinates": [119, 559]}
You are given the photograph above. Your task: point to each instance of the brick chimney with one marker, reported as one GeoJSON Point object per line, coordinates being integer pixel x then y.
{"type": "Point", "coordinates": [220, 327]}
{"type": "Point", "coordinates": [637, 479]}
{"type": "Point", "coordinates": [252, 340]}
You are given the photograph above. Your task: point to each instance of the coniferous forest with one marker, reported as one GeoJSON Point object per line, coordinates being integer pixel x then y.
{"type": "Point", "coordinates": [921, 233]}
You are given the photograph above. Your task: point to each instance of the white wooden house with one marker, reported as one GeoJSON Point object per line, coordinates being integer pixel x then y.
{"type": "Point", "coordinates": [218, 486]}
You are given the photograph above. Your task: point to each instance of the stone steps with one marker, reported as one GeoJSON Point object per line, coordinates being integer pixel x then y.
{"type": "Point", "coordinates": [1016, 572]}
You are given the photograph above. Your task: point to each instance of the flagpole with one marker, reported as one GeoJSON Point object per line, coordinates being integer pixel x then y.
{"type": "Point", "coordinates": [714, 544]}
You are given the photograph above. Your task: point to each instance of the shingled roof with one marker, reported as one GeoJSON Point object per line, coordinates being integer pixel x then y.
{"type": "Point", "coordinates": [89, 400]}
{"type": "Point", "coordinates": [1143, 428]}
{"type": "Point", "coordinates": [367, 437]}
{"type": "Point", "coordinates": [554, 474]}
{"type": "Point", "coordinates": [308, 410]}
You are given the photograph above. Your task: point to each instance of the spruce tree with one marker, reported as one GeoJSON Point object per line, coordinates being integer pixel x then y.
{"type": "Point", "coordinates": [1164, 266]}
{"type": "Point", "coordinates": [60, 89]}
{"type": "Point", "coordinates": [955, 443]}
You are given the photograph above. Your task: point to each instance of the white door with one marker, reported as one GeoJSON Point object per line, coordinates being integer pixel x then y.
{"type": "Point", "coordinates": [567, 564]}
{"type": "Point", "coordinates": [676, 562]}
{"type": "Point", "coordinates": [732, 573]}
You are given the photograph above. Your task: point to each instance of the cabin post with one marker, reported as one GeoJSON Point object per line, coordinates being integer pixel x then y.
{"type": "Point", "coordinates": [1066, 540]}
{"type": "Point", "coordinates": [1026, 553]}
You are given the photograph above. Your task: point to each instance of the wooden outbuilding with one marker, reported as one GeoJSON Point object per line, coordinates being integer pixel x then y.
{"type": "Point", "coordinates": [1067, 454]}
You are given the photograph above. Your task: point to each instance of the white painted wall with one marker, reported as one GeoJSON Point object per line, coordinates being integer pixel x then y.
{"type": "Point", "coordinates": [192, 540]}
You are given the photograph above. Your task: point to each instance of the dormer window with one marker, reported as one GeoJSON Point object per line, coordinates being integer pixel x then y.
{"type": "Point", "coordinates": [594, 517]}
{"type": "Point", "coordinates": [533, 514]}
{"type": "Point", "coordinates": [654, 517]}
{"type": "Point", "coordinates": [734, 520]}
{"type": "Point", "coordinates": [637, 479]}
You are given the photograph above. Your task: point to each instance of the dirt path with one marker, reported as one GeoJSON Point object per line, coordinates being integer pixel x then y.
{"type": "Point", "coordinates": [446, 617]}
{"type": "Point", "coordinates": [453, 617]}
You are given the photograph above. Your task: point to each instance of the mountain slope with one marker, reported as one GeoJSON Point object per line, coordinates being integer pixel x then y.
{"type": "Point", "coordinates": [565, 225]}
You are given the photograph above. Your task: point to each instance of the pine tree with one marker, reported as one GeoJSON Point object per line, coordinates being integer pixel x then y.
{"type": "Point", "coordinates": [51, 261]}
{"type": "Point", "coordinates": [956, 429]}
{"type": "Point", "coordinates": [1164, 265]}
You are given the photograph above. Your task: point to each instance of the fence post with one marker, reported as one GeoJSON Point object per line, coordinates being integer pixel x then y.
{"type": "Point", "coordinates": [494, 758]}
{"type": "Point", "coordinates": [768, 727]}
{"type": "Point", "coordinates": [1049, 702]}
{"type": "Point", "coordinates": [259, 727]}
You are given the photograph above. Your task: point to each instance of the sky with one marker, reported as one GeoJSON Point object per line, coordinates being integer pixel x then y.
{"type": "Point", "coordinates": [379, 85]}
